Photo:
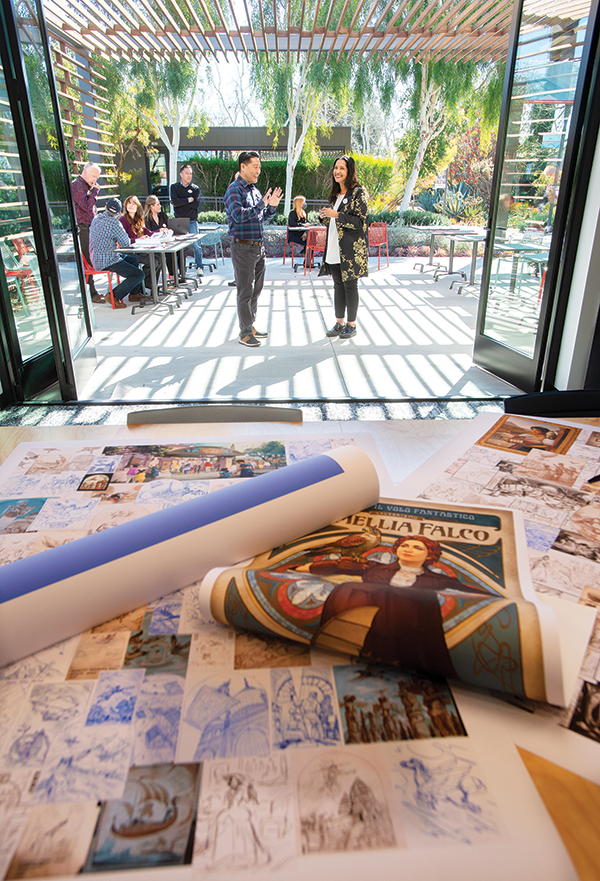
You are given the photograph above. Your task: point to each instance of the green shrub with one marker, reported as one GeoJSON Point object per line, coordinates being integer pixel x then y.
{"type": "Point", "coordinates": [412, 217]}
{"type": "Point", "coordinates": [384, 217]}
{"type": "Point", "coordinates": [212, 217]}
{"type": "Point", "coordinates": [430, 200]}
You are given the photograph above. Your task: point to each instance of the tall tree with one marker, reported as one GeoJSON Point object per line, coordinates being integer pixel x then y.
{"type": "Point", "coordinates": [130, 131]}
{"type": "Point", "coordinates": [308, 91]}
{"type": "Point", "coordinates": [438, 90]}
{"type": "Point", "coordinates": [441, 96]}
{"type": "Point", "coordinates": [166, 93]}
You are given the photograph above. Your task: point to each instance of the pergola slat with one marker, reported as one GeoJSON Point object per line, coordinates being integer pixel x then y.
{"type": "Point", "coordinates": [212, 27]}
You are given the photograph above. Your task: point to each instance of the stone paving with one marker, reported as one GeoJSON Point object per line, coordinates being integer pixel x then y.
{"type": "Point", "coordinates": [415, 340]}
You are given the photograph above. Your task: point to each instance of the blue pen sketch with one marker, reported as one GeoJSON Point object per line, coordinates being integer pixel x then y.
{"type": "Point", "coordinates": [539, 536]}
{"type": "Point", "coordinates": [296, 451]}
{"type": "Point", "coordinates": [165, 617]}
{"type": "Point", "coordinates": [192, 489]}
{"type": "Point", "coordinates": [29, 749]}
{"type": "Point", "coordinates": [47, 708]}
{"type": "Point", "coordinates": [69, 513]}
{"type": "Point", "coordinates": [86, 764]}
{"type": "Point", "coordinates": [166, 491]}
{"type": "Point", "coordinates": [46, 485]}
{"type": "Point", "coordinates": [226, 716]}
{"type": "Point", "coordinates": [104, 464]}
{"type": "Point", "coordinates": [194, 614]}
{"type": "Point", "coordinates": [51, 663]}
{"type": "Point", "coordinates": [114, 697]}
{"type": "Point", "coordinates": [156, 719]}
{"type": "Point", "coordinates": [439, 786]}
{"type": "Point", "coordinates": [302, 704]}
{"type": "Point", "coordinates": [61, 702]}
{"type": "Point", "coordinates": [17, 515]}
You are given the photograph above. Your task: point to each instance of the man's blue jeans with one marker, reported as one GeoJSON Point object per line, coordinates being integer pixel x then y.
{"type": "Point", "coordinates": [193, 228]}
{"type": "Point", "coordinates": [133, 276]}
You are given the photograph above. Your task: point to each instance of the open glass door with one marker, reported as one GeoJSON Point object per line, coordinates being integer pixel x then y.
{"type": "Point", "coordinates": [45, 324]}
{"type": "Point", "coordinates": [541, 107]}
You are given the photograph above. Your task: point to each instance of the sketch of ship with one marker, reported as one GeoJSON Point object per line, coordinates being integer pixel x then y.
{"type": "Point", "coordinates": [152, 811]}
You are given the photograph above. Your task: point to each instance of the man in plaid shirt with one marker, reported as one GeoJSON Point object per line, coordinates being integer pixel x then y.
{"type": "Point", "coordinates": [247, 212]}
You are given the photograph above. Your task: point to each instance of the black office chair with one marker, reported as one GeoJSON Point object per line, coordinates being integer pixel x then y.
{"type": "Point", "coordinates": [560, 405]}
{"type": "Point", "coordinates": [214, 413]}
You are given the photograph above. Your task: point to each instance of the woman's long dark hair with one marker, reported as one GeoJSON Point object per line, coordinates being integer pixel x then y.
{"type": "Point", "coordinates": [137, 224]}
{"type": "Point", "coordinates": [351, 180]}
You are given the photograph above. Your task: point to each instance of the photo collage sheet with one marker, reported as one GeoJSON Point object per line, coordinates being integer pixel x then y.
{"type": "Point", "coordinates": [164, 738]}
{"type": "Point", "coordinates": [543, 469]}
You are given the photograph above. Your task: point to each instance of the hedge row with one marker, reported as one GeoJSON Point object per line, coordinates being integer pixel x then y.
{"type": "Point", "coordinates": [213, 176]}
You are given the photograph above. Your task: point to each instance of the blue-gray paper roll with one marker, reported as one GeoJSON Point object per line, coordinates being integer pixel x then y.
{"type": "Point", "coordinates": [63, 591]}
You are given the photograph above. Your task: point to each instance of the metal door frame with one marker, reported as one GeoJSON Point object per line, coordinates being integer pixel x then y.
{"type": "Point", "coordinates": [507, 363]}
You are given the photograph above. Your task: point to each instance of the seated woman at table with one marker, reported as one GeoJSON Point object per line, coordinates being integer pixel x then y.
{"type": "Point", "coordinates": [132, 220]}
{"type": "Point", "coordinates": [154, 217]}
{"type": "Point", "coordinates": [297, 217]}
{"type": "Point", "coordinates": [156, 220]}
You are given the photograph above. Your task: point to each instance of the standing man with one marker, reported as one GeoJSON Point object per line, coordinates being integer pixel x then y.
{"type": "Point", "coordinates": [85, 192]}
{"type": "Point", "coordinates": [106, 234]}
{"type": "Point", "coordinates": [247, 211]}
{"type": "Point", "coordinates": [185, 199]}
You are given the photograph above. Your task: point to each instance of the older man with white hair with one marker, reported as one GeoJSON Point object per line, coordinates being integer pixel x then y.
{"type": "Point", "coordinates": [85, 192]}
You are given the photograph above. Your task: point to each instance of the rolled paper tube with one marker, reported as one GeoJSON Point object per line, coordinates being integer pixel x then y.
{"type": "Point", "coordinates": [65, 590]}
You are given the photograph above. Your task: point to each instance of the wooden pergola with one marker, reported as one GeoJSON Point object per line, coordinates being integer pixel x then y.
{"type": "Point", "coordinates": [456, 30]}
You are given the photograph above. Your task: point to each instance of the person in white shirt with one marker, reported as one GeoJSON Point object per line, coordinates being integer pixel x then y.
{"type": "Point", "coordinates": [346, 256]}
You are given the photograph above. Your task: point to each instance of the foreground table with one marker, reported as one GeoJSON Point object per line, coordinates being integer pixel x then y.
{"type": "Point", "coordinates": [403, 445]}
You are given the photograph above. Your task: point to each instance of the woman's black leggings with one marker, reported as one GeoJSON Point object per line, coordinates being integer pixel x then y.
{"type": "Point", "coordinates": [345, 294]}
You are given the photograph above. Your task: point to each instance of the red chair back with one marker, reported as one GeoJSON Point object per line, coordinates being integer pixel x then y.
{"type": "Point", "coordinates": [377, 233]}
{"type": "Point", "coordinates": [378, 237]}
{"type": "Point", "coordinates": [89, 270]}
{"type": "Point", "coordinates": [315, 241]}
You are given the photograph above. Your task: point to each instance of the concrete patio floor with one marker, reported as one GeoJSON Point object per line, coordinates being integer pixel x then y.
{"type": "Point", "coordinates": [415, 340]}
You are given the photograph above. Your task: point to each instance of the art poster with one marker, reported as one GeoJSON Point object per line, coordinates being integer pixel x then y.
{"type": "Point", "coordinates": [436, 589]}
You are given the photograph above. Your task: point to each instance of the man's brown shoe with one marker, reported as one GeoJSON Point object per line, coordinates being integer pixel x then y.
{"type": "Point", "coordinates": [119, 304]}
{"type": "Point", "coordinates": [135, 298]}
{"type": "Point", "coordinates": [96, 298]}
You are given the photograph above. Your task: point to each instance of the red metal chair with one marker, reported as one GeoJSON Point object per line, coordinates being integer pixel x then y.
{"type": "Point", "coordinates": [21, 269]}
{"type": "Point", "coordinates": [315, 243]}
{"type": "Point", "coordinates": [378, 237]}
{"type": "Point", "coordinates": [89, 270]}
{"type": "Point", "coordinates": [287, 235]}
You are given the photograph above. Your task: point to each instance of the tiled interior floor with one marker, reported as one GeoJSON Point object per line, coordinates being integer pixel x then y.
{"type": "Point", "coordinates": [415, 340]}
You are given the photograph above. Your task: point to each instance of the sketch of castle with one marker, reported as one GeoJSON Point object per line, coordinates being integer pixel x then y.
{"type": "Point", "coordinates": [305, 716]}
{"type": "Point", "coordinates": [232, 720]}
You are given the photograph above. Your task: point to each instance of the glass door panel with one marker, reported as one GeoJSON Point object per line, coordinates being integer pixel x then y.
{"type": "Point", "coordinates": [513, 303]}
{"type": "Point", "coordinates": [17, 244]}
{"type": "Point", "coordinates": [54, 170]}
{"type": "Point", "coordinates": [44, 321]}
